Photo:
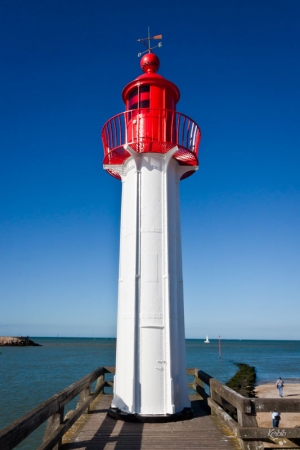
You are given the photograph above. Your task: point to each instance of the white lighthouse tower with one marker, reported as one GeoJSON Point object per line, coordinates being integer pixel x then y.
{"type": "Point", "coordinates": [150, 147]}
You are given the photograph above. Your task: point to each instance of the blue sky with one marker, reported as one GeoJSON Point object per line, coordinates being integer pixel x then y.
{"type": "Point", "coordinates": [63, 67]}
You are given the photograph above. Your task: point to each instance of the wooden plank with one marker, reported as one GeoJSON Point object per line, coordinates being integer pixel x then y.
{"type": "Point", "coordinates": [217, 410]}
{"type": "Point", "coordinates": [266, 433]}
{"type": "Point", "coordinates": [198, 381]}
{"type": "Point", "coordinates": [276, 404]}
{"type": "Point", "coordinates": [238, 401]}
{"type": "Point", "coordinates": [15, 433]}
{"type": "Point", "coordinates": [200, 391]}
{"type": "Point", "coordinates": [52, 424]}
{"type": "Point", "coordinates": [58, 433]}
{"type": "Point", "coordinates": [235, 427]}
{"type": "Point", "coordinates": [192, 371]}
{"type": "Point", "coordinates": [249, 420]}
{"type": "Point", "coordinates": [74, 389]}
{"type": "Point", "coordinates": [204, 377]}
{"type": "Point", "coordinates": [103, 432]}
{"type": "Point", "coordinates": [109, 369]}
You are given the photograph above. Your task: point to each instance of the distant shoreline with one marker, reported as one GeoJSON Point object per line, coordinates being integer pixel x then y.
{"type": "Point", "coordinates": [212, 340]}
{"type": "Point", "coordinates": [286, 381]}
{"type": "Point", "coordinates": [17, 341]}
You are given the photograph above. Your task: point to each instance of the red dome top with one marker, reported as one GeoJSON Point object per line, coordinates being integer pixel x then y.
{"type": "Point", "coordinates": [150, 63]}
{"type": "Point", "coordinates": [150, 123]}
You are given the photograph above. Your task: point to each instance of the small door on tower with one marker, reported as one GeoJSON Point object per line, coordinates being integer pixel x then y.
{"type": "Point", "coordinates": [152, 374]}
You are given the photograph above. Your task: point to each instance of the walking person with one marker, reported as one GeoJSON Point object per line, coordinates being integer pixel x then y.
{"type": "Point", "coordinates": [275, 419]}
{"type": "Point", "coordinates": [279, 385]}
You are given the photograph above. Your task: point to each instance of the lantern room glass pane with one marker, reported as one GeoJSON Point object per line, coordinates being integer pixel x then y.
{"type": "Point", "coordinates": [139, 97]}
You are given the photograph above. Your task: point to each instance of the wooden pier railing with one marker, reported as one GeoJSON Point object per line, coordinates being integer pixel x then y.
{"type": "Point", "coordinates": [52, 411]}
{"type": "Point", "coordinates": [250, 436]}
{"type": "Point", "coordinates": [216, 397]}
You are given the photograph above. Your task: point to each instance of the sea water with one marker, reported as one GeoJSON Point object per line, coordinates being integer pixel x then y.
{"type": "Point", "coordinates": [30, 375]}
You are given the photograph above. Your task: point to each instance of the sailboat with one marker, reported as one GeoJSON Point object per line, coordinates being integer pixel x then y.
{"type": "Point", "coordinates": [206, 340]}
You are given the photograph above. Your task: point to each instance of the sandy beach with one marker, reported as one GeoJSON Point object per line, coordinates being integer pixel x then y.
{"type": "Point", "coordinates": [288, 420]}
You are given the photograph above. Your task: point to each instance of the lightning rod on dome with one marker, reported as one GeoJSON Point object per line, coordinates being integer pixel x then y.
{"type": "Point", "coordinates": [147, 42]}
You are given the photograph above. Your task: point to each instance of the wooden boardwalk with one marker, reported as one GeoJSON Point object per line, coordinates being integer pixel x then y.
{"type": "Point", "coordinates": [97, 431]}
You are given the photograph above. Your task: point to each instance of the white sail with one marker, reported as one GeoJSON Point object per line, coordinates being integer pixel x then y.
{"type": "Point", "coordinates": [206, 340]}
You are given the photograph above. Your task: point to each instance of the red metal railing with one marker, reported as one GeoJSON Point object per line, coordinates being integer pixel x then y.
{"type": "Point", "coordinates": [151, 130]}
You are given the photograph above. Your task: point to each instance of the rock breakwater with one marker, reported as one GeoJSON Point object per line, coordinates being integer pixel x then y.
{"type": "Point", "coordinates": [20, 341]}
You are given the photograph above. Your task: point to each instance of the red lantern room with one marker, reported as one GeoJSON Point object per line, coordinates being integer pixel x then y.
{"type": "Point", "coordinates": [150, 123]}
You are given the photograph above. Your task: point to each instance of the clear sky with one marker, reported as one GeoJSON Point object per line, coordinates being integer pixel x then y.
{"type": "Point", "coordinates": [63, 67]}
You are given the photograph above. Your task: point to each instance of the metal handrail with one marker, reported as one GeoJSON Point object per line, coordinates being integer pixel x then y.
{"type": "Point", "coordinates": [164, 127]}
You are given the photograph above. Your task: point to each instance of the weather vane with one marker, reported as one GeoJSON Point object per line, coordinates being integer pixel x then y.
{"type": "Point", "coordinates": [147, 42]}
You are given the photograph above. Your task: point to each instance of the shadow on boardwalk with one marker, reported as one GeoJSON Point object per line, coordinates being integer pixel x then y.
{"type": "Point", "coordinates": [99, 431]}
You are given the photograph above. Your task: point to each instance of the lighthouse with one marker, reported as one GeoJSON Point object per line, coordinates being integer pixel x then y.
{"type": "Point", "coordinates": [150, 148]}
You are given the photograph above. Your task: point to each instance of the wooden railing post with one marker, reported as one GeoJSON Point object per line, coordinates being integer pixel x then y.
{"type": "Point", "coordinates": [249, 420]}
{"type": "Point", "coordinates": [199, 386]}
{"type": "Point", "coordinates": [222, 395]}
{"type": "Point", "coordinates": [100, 380]}
{"type": "Point", "coordinates": [198, 383]}
{"type": "Point", "coordinates": [84, 394]}
{"type": "Point", "coordinates": [216, 397]}
{"type": "Point", "coordinates": [52, 424]}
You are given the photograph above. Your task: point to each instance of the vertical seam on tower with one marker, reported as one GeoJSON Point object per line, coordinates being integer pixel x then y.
{"type": "Point", "coordinates": [137, 292]}
{"type": "Point", "coordinates": [166, 161]}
